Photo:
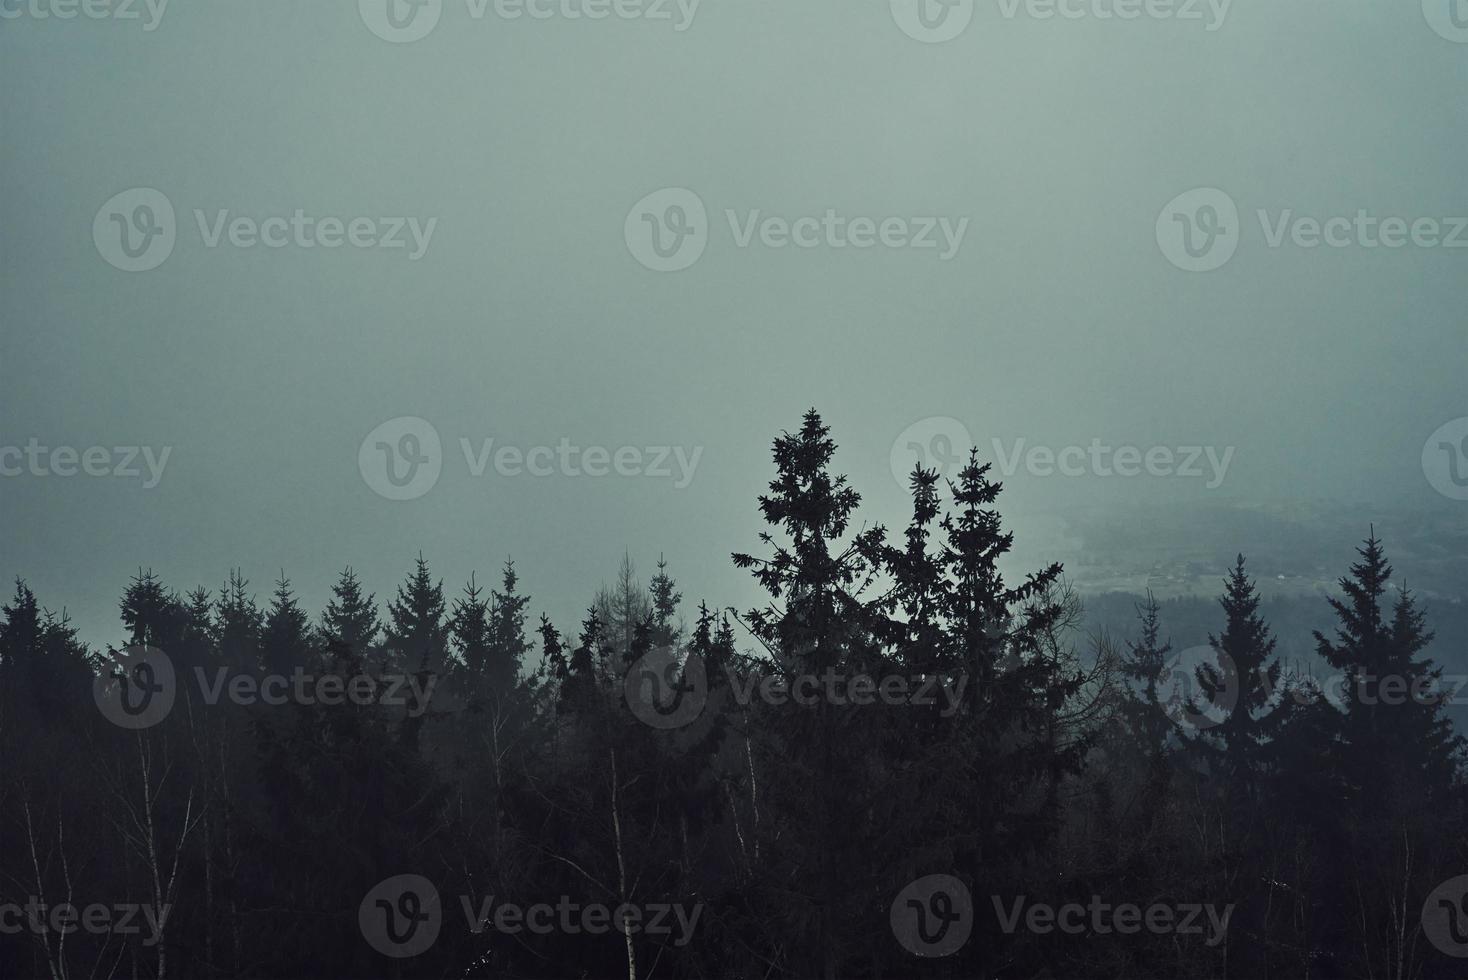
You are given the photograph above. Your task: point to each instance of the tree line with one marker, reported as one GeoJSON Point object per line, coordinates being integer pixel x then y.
{"type": "Point", "coordinates": [638, 760]}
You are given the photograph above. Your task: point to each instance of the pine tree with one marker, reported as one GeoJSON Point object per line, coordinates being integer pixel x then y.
{"type": "Point", "coordinates": [1144, 663]}
{"type": "Point", "coordinates": [199, 621]}
{"type": "Point", "coordinates": [237, 623]}
{"type": "Point", "coordinates": [554, 657]}
{"type": "Point", "coordinates": [508, 644]}
{"type": "Point", "coordinates": [665, 600]}
{"type": "Point", "coordinates": [1244, 681]}
{"type": "Point", "coordinates": [416, 633]}
{"type": "Point", "coordinates": [1392, 730]}
{"type": "Point", "coordinates": [821, 623]}
{"type": "Point", "coordinates": [285, 640]}
{"type": "Point", "coordinates": [470, 632]}
{"type": "Point", "coordinates": [152, 614]}
{"type": "Point", "coordinates": [350, 619]}
{"type": "Point", "coordinates": [621, 607]}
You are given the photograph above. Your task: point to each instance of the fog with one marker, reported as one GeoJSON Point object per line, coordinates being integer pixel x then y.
{"type": "Point", "coordinates": [507, 155]}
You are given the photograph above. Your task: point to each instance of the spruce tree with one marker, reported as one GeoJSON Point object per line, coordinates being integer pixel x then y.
{"type": "Point", "coordinates": [470, 633]}
{"type": "Point", "coordinates": [1392, 730]}
{"type": "Point", "coordinates": [1144, 663]}
{"type": "Point", "coordinates": [665, 600]}
{"type": "Point", "coordinates": [508, 645]}
{"type": "Point", "coordinates": [350, 619]}
{"type": "Point", "coordinates": [415, 631]}
{"type": "Point", "coordinates": [1244, 681]}
{"type": "Point", "coordinates": [285, 640]}
{"type": "Point", "coordinates": [237, 623]}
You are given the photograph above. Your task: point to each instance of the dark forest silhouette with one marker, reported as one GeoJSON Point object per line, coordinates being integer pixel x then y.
{"type": "Point", "coordinates": [525, 769]}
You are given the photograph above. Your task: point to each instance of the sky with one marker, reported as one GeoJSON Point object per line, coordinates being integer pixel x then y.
{"type": "Point", "coordinates": [292, 244]}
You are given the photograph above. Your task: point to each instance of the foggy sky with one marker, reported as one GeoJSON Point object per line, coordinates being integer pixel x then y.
{"type": "Point", "coordinates": [529, 320]}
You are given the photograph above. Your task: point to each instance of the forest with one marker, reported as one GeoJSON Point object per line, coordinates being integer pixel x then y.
{"type": "Point", "coordinates": [903, 763]}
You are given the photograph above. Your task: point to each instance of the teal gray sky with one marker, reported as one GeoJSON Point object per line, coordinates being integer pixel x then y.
{"type": "Point", "coordinates": [259, 236]}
